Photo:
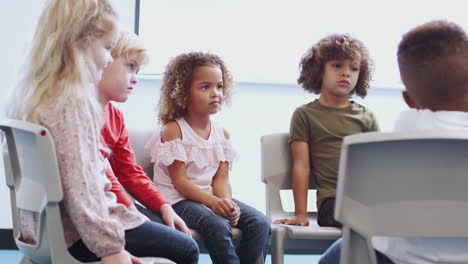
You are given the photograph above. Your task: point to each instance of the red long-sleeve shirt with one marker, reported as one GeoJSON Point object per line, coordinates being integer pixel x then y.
{"type": "Point", "coordinates": [125, 172]}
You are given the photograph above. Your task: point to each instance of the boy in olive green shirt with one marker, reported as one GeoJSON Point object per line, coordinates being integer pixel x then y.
{"type": "Point", "coordinates": [336, 67]}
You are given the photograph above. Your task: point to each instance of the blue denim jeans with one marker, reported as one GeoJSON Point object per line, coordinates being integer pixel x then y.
{"type": "Point", "coordinates": [332, 255]}
{"type": "Point", "coordinates": [154, 217]}
{"type": "Point", "coordinates": [149, 240]}
{"type": "Point", "coordinates": [217, 235]}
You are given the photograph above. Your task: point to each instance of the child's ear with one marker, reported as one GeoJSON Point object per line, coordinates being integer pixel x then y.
{"type": "Point", "coordinates": [409, 101]}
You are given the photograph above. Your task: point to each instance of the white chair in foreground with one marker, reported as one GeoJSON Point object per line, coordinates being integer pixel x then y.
{"type": "Point", "coordinates": [33, 178]}
{"type": "Point", "coordinates": [138, 139]}
{"type": "Point", "coordinates": [403, 185]}
{"type": "Point", "coordinates": [276, 166]}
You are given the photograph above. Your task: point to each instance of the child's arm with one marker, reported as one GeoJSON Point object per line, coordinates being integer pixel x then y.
{"type": "Point", "coordinates": [186, 188]}
{"type": "Point", "coordinates": [222, 189]}
{"type": "Point", "coordinates": [220, 184]}
{"type": "Point", "coordinates": [118, 189]}
{"type": "Point", "coordinates": [81, 172]}
{"type": "Point", "coordinates": [300, 183]}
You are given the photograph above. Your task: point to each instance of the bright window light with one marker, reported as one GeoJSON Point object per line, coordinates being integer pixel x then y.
{"type": "Point", "coordinates": [263, 40]}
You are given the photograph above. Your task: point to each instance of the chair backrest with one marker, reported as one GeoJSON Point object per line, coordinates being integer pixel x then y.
{"type": "Point", "coordinates": [34, 182]}
{"type": "Point", "coordinates": [276, 167]}
{"type": "Point", "coordinates": [403, 184]}
{"type": "Point", "coordinates": [138, 140]}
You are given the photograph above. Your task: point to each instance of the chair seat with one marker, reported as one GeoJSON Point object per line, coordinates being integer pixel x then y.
{"type": "Point", "coordinates": [156, 260]}
{"type": "Point", "coordinates": [146, 261]}
{"type": "Point", "coordinates": [313, 230]}
{"type": "Point", "coordinates": [277, 169]}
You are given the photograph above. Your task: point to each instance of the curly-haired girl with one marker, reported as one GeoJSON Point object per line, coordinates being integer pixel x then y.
{"type": "Point", "coordinates": [336, 67]}
{"type": "Point", "coordinates": [193, 156]}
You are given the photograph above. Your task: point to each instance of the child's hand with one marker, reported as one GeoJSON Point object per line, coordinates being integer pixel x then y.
{"type": "Point", "coordinates": [222, 207]}
{"type": "Point", "coordinates": [173, 220]}
{"type": "Point", "coordinates": [122, 257]}
{"type": "Point", "coordinates": [299, 220]}
{"type": "Point", "coordinates": [234, 215]}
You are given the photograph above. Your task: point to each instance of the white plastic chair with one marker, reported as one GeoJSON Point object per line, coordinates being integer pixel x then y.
{"type": "Point", "coordinates": [33, 178]}
{"type": "Point", "coordinates": [276, 167]}
{"type": "Point", "coordinates": [402, 185]}
{"type": "Point", "coordinates": [138, 139]}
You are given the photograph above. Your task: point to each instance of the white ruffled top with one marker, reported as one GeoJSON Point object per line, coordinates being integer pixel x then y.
{"type": "Point", "coordinates": [201, 157]}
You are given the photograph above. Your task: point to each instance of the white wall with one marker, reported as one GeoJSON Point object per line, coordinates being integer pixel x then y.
{"type": "Point", "coordinates": [17, 23]}
{"type": "Point", "coordinates": [17, 26]}
{"type": "Point", "coordinates": [257, 110]}
{"type": "Point", "coordinates": [250, 116]}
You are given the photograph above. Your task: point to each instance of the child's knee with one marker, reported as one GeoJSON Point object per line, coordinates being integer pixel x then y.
{"type": "Point", "coordinates": [192, 252]}
{"type": "Point", "coordinates": [259, 224]}
{"type": "Point", "coordinates": [263, 225]}
{"type": "Point", "coordinates": [218, 227]}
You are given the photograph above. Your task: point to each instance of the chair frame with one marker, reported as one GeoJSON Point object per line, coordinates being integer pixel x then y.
{"type": "Point", "coordinates": [32, 175]}
{"type": "Point", "coordinates": [276, 167]}
{"type": "Point", "coordinates": [138, 139]}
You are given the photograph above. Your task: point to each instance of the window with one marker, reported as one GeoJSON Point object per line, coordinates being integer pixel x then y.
{"type": "Point", "coordinates": [263, 40]}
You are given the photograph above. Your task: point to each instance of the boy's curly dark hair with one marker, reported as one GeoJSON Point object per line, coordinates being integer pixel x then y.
{"type": "Point", "coordinates": [177, 79]}
{"type": "Point", "coordinates": [336, 46]}
{"type": "Point", "coordinates": [433, 66]}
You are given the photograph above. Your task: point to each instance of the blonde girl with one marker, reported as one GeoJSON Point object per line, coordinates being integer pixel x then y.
{"type": "Point", "coordinates": [193, 155]}
{"type": "Point", "coordinates": [71, 48]}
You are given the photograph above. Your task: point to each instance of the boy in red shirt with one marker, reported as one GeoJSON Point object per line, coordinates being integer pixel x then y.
{"type": "Point", "coordinates": [117, 82]}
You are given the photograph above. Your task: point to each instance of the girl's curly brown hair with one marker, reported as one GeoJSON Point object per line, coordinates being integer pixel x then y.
{"type": "Point", "coordinates": [336, 46]}
{"type": "Point", "coordinates": [177, 79]}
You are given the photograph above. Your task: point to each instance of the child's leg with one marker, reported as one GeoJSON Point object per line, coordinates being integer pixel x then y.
{"type": "Point", "coordinates": [326, 213]}
{"type": "Point", "coordinates": [149, 240]}
{"type": "Point", "coordinates": [81, 253]}
{"type": "Point", "coordinates": [333, 253]}
{"type": "Point", "coordinates": [157, 240]}
{"type": "Point", "coordinates": [214, 229]}
{"type": "Point", "coordinates": [256, 230]}
{"type": "Point", "coordinates": [148, 213]}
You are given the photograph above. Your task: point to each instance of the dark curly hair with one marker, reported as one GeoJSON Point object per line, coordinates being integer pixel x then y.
{"type": "Point", "coordinates": [336, 46]}
{"type": "Point", "coordinates": [433, 60]}
{"type": "Point", "coordinates": [177, 79]}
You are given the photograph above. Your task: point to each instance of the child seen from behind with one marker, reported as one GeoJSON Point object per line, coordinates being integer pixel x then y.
{"type": "Point", "coordinates": [432, 59]}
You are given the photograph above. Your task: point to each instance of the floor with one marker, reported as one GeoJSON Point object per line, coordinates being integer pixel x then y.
{"type": "Point", "coordinates": [13, 257]}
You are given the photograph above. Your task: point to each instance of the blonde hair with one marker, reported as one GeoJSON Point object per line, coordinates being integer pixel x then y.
{"type": "Point", "coordinates": [130, 47]}
{"type": "Point", "coordinates": [57, 68]}
{"type": "Point", "coordinates": [177, 79]}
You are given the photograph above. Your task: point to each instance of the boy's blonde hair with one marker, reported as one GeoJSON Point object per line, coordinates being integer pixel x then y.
{"type": "Point", "coordinates": [177, 79]}
{"type": "Point", "coordinates": [130, 47]}
{"type": "Point", "coordinates": [336, 46]}
{"type": "Point", "coordinates": [57, 68]}
{"type": "Point", "coordinates": [433, 62]}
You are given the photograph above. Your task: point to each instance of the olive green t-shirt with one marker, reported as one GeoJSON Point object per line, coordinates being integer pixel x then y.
{"type": "Point", "coordinates": [323, 128]}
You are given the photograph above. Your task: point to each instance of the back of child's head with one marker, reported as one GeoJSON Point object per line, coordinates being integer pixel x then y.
{"type": "Point", "coordinates": [131, 48]}
{"type": "Point", "coordinates": [178, 78]}
{"type": "Point", "coordinates": [58, 66]}
{"type": "Point", "coordinates": [334, 47]}
{"type": "Point", "coordinates": [433, 62]}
